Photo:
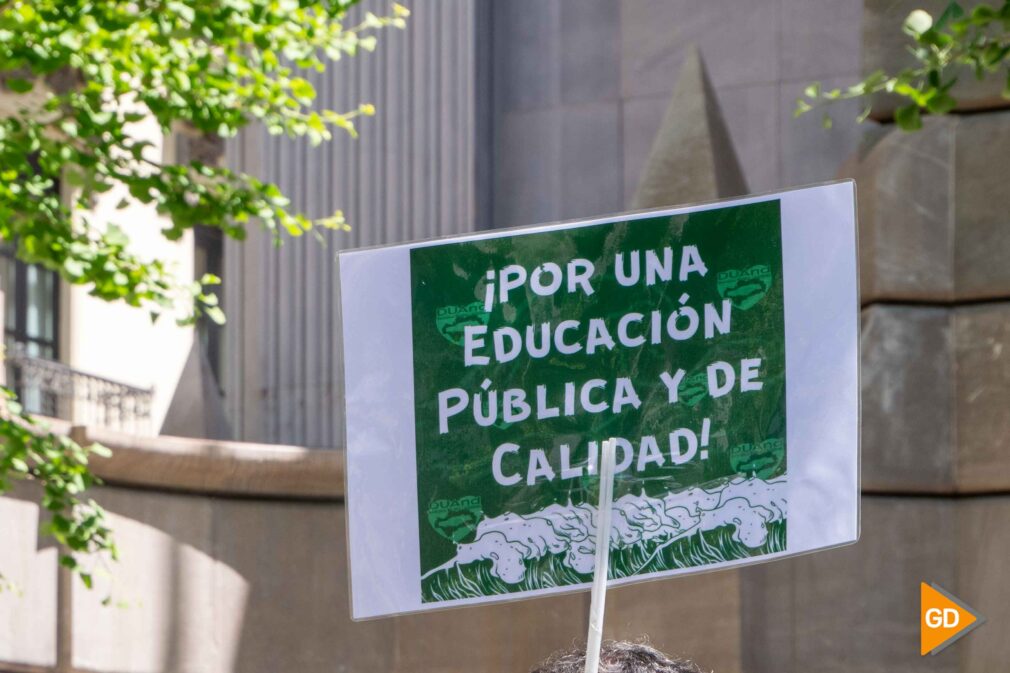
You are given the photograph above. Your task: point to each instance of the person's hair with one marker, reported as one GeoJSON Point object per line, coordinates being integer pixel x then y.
{"type": "Point", "coordinates": [617, 657]}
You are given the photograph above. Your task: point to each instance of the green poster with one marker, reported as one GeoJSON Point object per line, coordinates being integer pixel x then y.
{"type": "Point", "coordinates": [530, 350]}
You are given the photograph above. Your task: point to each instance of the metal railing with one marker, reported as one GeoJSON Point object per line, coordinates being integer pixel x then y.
{"type": "Point", "coordinates": [57, 390]}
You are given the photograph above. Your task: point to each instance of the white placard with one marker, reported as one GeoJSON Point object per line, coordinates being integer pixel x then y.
{"type": "Point", "coordinates": [773, 282]}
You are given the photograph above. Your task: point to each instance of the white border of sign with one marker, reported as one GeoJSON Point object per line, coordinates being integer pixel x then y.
{"type": "Point", "coordinates": [821, 298]}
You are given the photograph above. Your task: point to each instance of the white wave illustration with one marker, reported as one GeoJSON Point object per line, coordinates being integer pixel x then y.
{"type": "Point", "coordinates": [510, 540]}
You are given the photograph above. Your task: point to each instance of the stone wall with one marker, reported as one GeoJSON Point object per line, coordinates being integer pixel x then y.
{"type": "Point", "coordinates": [238, 562]}
{"type": "Point", "coordinates": [411, 174]}
{"type": "Point", "coordinates": [934, 244]}
{"type": "Point", "coordinates": [580, 88]}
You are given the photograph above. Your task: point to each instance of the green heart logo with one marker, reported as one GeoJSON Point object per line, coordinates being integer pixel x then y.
{"type": "Point", "coordinates": [760, 460]}
{"type": "Point", "coordinates": [744, 288]}
{"type": "Point", "coordinates": [693, 389]}
{"type": "Point", "coordinates": [456, 520]}
{"type": "Point", "coordinates": [451, 320]}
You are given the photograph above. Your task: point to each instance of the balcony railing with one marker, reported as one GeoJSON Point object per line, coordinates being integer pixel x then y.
{"type": "Point", "coordinates": [54, 389]}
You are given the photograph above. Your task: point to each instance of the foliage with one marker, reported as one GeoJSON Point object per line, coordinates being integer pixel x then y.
{"type": "Point", "coordinates": [60, 465]}
{"type": "Point", "coordinates": [958, 41]}
{"type": "Point", "coordinates": [78, 76]}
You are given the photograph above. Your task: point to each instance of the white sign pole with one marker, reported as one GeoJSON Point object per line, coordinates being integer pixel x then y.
{"type": "Point", "coordinates": [599, 598]}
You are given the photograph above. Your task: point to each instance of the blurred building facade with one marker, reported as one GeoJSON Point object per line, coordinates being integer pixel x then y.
{"type": "Point", "coordinates": [226, 485]}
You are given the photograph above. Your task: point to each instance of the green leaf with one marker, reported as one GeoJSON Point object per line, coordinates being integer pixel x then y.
{"type": "Point", "coordinates": [302, 88]}
{"type": "Point", "coordinates": [100, 450]}
{"type": "Point", "coordinates": [908, 117]}
{"type": "Point", "coordinates": [941, 103]}
{"type": "Point", "coordinates": [215, 314]}
{"type": "Point", "coordinates": [995, 54]}
{"type": "Point", "coordinates": [184, 11]}
{"type": "Point", "coordinates": [69, 40]}
{"type": "Point", "coordinates": [18, 85]}
{"type": "Point", "coordinates": [874, 80]}
{"type": "Point", "coordinates": [982, 14]}
{"type": "Point", "coordinates": [934, 38]}
{"type": "Point", "coordinates": [116, 236]}
{"type": "Point", "coordinates": [802, 107]}
{"type": "Point", "coordinates": [953, 11]}
{"type": "Point", "coordinates": [73, 267]}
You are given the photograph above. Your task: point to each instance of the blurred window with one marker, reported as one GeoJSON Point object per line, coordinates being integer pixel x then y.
{"type": "Point", "coordinates": [31, 323]}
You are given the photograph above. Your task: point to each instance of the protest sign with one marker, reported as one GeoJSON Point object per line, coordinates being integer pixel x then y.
{"type": "Point", "coordinates": [717, 344]}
